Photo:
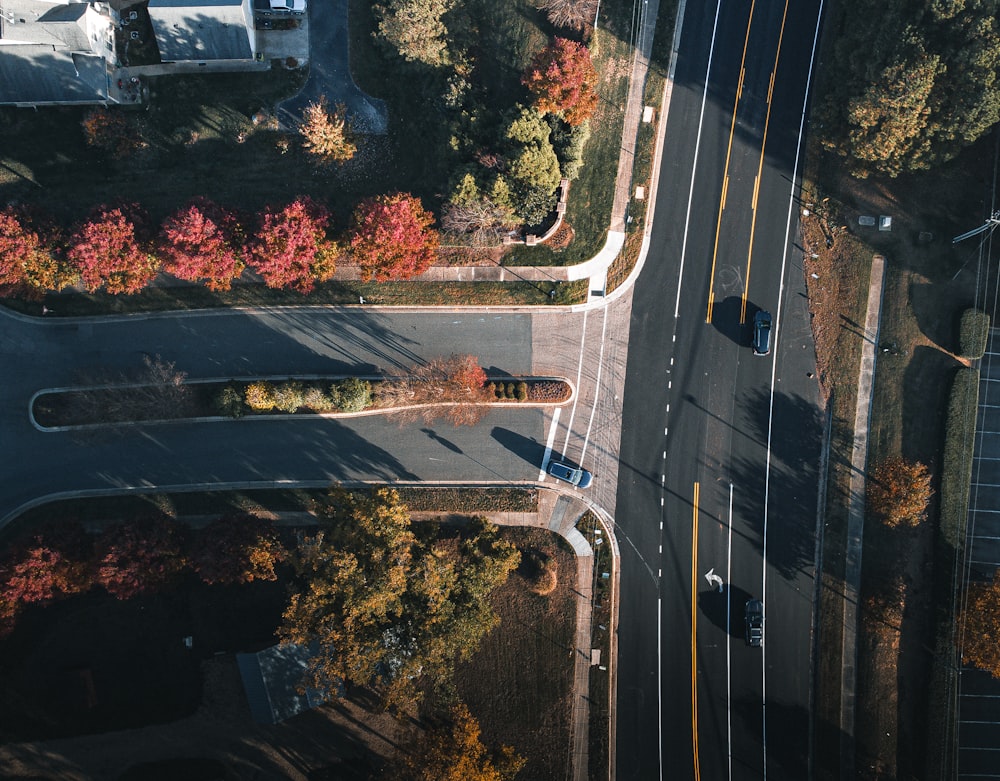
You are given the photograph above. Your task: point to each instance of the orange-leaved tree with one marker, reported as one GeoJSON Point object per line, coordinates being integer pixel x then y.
{"type": "Point", "coordinates": [980, 639]}
{"type": "Point", "coordinates": [391, 237]}
{"type": "Point", "coordinates": [454, 751]}
{"type": "Point", "coordinates": [27, 259]}
{"type": "Point", "coordinates": [326, 134]}
{"type": "Point", "coordinates": [899, 491]}
{"type": "Point", "coordinates": [563, 81]}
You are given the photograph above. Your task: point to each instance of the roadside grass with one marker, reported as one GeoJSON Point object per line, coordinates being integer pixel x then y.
{"type": "Point", "coordinates": [645, 144]}
{"type": "Point", "coordinates": [904, 608]}
{"type": "Point", "coordinates": [600, 681]}
{"type": "Point", "coordinates": [528, 660]}
{"type": "Point", "coordinates": [837, 300]}
{"type": "Point", "coordinates": [194, 297]}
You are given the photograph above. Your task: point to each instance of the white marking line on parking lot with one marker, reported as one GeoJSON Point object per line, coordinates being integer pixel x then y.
{"type": "Point", "coordinates": [986, 485]}
{"type": "Point", "coordinates": [990, 696]}
{"type": "Point", "coordinates": [987, 562]}
{"type": "Point", "coordinates": [985, 537]}
{"type": "Point", "coordinates": [579, 376]}
{"type": "Point", "coordinates": [548, 443]}
{"type": "Point", "coordinates": [597, 383]}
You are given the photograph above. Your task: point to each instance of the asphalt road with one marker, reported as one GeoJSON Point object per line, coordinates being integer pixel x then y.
{"type": "Point", "coordinates": [509, 445]}
{"type": "Point", "coordinates": [720, 448]}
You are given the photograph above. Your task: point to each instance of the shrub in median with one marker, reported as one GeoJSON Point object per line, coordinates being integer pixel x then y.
{"type": "Point", "coordinates": [288, 396]}
{"type": "Point", "coordinates": [229, 402]}
{"type": "Point", "coordinates": [351, 395]}
{"type": "Point", "coordinates": [973, 332]}
{"type": "Point", "coordinates": [259, 396]}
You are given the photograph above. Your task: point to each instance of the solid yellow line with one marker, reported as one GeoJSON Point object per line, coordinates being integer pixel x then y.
{"type": "Point", "coordinates": [760, 166]}
{"type": "Point", "coordinates": [694, 631]}
{"type": "Point", "coordinates": [725, 171]}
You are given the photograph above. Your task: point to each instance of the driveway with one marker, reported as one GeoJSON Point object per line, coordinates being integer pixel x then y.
{"type": "Point", "coordinates": [330, 73]}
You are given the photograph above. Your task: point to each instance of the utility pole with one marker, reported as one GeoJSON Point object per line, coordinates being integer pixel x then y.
{"type": "Point", "coordinates": [989, 225]}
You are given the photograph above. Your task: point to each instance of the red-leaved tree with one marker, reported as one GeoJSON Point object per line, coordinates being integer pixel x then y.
{"type": "Point", "coordinates": [42, 567]}
{"type": "Point", "coordinates": [237, 549]}
{"type": "Point", "coordinates": [140, 556]}
{"type": "Point", "coordinates": [290, 248]}
{"type": "Point", "coordinates": [563, 81]}
{"type": "Point", "coordinates": [106, 250]}
{"type": "Point", "coordinates": [201, 241]}
{"type": "Point", "coordinates": [392, 238]}
{"type": "Point", "coordinates": [26, 258]}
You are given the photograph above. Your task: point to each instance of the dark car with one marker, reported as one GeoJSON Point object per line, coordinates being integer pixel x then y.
{"type": "Point", "coordinates": [580, 478]}
{"type": "Point", "coordinates": [761, 333]}
{"type": "Point", "coordinates": [755, 623]}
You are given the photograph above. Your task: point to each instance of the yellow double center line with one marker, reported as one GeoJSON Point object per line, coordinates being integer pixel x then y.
{"type": "Point", "coordinates": [694, 630]}
{"type": "Point", "coordinates": [760, 164]}
{"type": "Point", "coordinates": [725, 171]}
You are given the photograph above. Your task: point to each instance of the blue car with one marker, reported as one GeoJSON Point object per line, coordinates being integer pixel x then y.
{"type": "Point", "coordinates": [762, 333]}
{"type": "Point", "coordinates": [580, 478]}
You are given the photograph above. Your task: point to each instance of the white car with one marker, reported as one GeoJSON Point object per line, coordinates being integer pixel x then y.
{"type": "Point", "coordinates": [580, 478]}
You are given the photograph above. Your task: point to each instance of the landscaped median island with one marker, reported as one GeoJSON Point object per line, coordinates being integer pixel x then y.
{"type": "Point", "coordinates": [455, 388]}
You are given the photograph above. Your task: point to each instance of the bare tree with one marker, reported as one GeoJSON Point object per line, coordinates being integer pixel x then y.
{"type": "Point", "coordinates": [480, 223]}
{"type": "Point", "coordinates": [157, 391]}
{"type": "Point", "coordinates": [574, 14]}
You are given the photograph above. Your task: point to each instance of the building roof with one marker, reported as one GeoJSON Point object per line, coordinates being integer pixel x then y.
{"type": "Point", "coordinates": [53, 52]}
{"type": "Point", "coordinates": [271, 679]}
{"type": "Point", "coordinates": [202, 29]}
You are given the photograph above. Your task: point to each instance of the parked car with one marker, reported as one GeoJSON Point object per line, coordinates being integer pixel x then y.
{"type": "Point", "coordinates": [755, 623]}
{"type": "Point", "coordinates": [761, 332]}
{"type": "Point", "coordinates": [580, 478]}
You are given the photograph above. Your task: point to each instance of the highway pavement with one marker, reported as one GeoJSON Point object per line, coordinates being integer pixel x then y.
{"type": "Point", "coordinates": [720, 448]}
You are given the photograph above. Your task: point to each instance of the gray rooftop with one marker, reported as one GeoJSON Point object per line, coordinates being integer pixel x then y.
{"type": "Point", "coordinates": [271, 679]}
{"type": "Point", "coordinates": [53, 52]}
{"type": "Point", "coordinates": [202, 29]}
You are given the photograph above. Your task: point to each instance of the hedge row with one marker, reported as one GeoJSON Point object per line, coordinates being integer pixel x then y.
{"type": "Point", "coordinates": [974, 330]}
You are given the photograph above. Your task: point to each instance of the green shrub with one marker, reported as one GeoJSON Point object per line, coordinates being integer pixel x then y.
{"type": "Point", "coordinates": [316, 399]}
{"type": "Point", "coordinates": [508, 390]}
{"type": "Point", "coordinates": [491, 390]}
{"type": "Point", "coordinates": [351, 395]}
{"type": "Point", "coordinates": [973, 333]}
{"type": "Point", "coordinates": [259, 396]}
{"type": "Point", "coordinates": [229, 402]}
{"type": "Point", "coordinates": [956, 471]}
{"type": "Point", "coordinates": [521, 391]}
{"type": "Point", "coordinates": [288, 396]}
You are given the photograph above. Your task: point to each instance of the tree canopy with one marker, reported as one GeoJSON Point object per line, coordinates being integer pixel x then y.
{"type": "Point", "coordinates": [415, 29]}
{"type": "Point", "coordinates": [290, 248]}
{"type": "Point", "coordinates": [913, 84]}
{"type": "Point", "coordinates": [563, 81]}
{"type": "Point", "coordinates": [201, 242]}
{"type": "Point", "coordinates": [389, 607]}
{"type": "Point", "coordinates": [106, 251]}
{"type": "Point", "coordinates": [392, 238]}
{"type": "Point", "coordinates": [899, 491]}
{"type": "Point", "coordinates": [454, 751]}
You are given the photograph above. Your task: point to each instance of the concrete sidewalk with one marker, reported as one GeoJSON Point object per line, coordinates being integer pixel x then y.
{"type": "Point", "coordinates": [856, 516]}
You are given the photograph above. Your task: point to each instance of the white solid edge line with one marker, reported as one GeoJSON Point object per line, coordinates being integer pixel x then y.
{"type": "Point", "coordinates": [774, 368]}
{"type": "Point", "coordinates": [548, 443]}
